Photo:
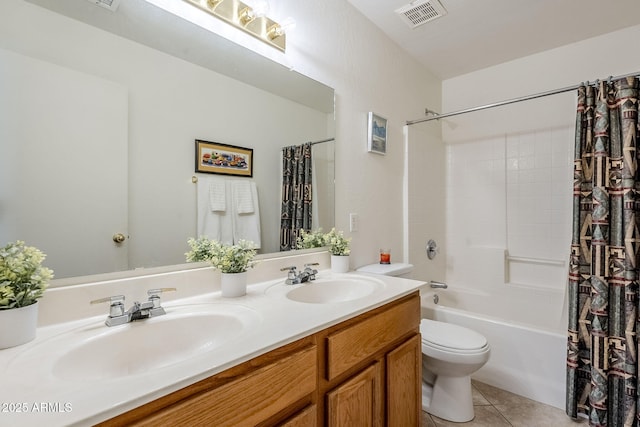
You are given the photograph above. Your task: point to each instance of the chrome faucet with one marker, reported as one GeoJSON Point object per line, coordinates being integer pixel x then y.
{"type": "Point", "coordinates": [440, 285]}
{"type": "Point", "coordinates": [307, 275]}
{"type": "Point", "coordinates": [144, 310]}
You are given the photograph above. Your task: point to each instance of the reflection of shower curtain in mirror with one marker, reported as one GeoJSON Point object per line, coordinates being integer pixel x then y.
{"type": "Point", "coordinates": [296, 212]}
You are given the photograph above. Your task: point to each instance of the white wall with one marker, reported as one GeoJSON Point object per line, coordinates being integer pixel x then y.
{"type": "Point", "coordinates": [510, 168]}
{"type": "Point", "coordinates": [336, 45]}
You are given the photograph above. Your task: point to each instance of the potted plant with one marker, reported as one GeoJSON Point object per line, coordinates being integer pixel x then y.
{"type": "Point", "coordinates": [339, 250]}
{"type": "Point", "coordinates": [310, 239]}
{"type": "Point", "coordinates": [233, 261]}
{"type": "Point", "coordinates": [23, 280]}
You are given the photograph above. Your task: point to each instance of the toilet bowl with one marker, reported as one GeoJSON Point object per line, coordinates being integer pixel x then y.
{"type": "Point", "coordinates": [450, 354]}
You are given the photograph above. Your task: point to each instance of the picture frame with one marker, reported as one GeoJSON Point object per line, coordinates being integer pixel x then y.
{"type": "Point", "coordinates": [224, 159]}
{"type": "Point", "coordinates": [377, 134]}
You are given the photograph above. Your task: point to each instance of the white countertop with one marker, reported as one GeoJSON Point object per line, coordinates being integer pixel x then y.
{"type": "Point", "coordinates": [31, 395]}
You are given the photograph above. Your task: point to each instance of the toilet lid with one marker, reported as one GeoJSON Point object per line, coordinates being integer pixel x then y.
{"type": "Point", "coordinates": [450, 336]}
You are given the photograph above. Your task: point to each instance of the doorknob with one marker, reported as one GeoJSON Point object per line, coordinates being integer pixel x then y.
{"type": "Point", "coordinates": [119, 237]}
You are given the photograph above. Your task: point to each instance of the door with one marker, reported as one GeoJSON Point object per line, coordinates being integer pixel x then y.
{"type": "Point", "coordinates": [63, 164]}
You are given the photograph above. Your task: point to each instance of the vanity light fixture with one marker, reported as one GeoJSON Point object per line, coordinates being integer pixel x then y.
{"type": "Point", "coordinates": [252, 20]}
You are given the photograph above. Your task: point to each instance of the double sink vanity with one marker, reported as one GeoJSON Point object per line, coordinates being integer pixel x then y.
{"type": "Point", "coordinates": [342, 347]}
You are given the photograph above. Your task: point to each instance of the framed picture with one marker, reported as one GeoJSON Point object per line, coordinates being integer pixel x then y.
{"type": "Point", "coordinates": [377, 135]}
{"type": "Point", "coordinates": [213, 157]}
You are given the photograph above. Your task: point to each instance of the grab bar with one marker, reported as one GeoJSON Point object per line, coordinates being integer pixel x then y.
{"type": "Point", "coordinates": [529, 260]}
{"type": "Point", "coordinates": [435, 284]}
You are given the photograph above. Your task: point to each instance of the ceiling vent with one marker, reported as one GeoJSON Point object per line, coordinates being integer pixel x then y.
{"type": "Point", "coordinates": [420, 12]}
{"type": "Point", "coordinates": [112, 5]}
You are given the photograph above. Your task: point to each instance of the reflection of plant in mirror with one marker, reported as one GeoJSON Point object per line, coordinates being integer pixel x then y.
{"type": "Point", "coordinates": [310, 239]}
{"type": "Point", "coordinates": [338, 244]}
{"type": "Point", "coordinates": [226, 258]}
{"type": "Point", "coordinates": [23, 279]}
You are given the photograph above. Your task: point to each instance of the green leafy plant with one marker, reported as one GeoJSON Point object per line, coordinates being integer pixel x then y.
{"type": "Point", "coordinates": [236, 258]}
{"type": "Point", "coordinates": [310, 239]}
{"type": "Point", "coordinates": [23, 279]}
{"type": "Point", "coordinates": [338, 244]}
{"type": "Point", "coordinates": [335, 240]}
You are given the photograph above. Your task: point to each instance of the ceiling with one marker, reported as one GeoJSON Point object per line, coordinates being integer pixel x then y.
{"type": "Point", "coordinates": [476, 34]}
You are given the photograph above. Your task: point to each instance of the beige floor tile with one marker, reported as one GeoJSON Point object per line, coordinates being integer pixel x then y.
{"type": "Point", "coordinates": [535, 414]}
{"type": "Point", "coordinates": [497, 396]}
{"type": "Point", "coordinates": [478, 398]}
{"type": "Point", "coordinates": [426, 420]}
{"type": "Point", "coordinates": [485, 416]}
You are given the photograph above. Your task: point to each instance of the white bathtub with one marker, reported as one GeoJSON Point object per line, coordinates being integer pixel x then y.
{"type": "Point", "coordinates": [526, 334]}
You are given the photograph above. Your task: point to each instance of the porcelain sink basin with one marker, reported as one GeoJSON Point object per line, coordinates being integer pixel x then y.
{"type": "Point", "coordinates": [101, 352]}
{"type": "Point", "coordinates": [334, 290]}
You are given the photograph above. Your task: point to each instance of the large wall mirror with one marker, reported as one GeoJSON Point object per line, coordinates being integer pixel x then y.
{"type": "Point", "coordinates": [99, 116]}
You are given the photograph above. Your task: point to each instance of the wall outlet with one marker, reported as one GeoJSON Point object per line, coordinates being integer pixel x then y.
{"type": "Point", "coordinates": [353, 222]}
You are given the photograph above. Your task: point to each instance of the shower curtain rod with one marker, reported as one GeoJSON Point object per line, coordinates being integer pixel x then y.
{"type": "Point", "coordinates": [509, 101]}
{"type": "Point", "coordinates": [320, 142]}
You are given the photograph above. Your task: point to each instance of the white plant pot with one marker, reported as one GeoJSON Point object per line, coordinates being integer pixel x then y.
{"type": "Point", "coordinates": [18, 325]}
{"type": "Point", "coordinates": [340, 263]}
{"type": "Point", "coordinates": [233, 284]}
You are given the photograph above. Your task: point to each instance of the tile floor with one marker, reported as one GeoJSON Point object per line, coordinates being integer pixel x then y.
{"type": "Point", "coordinates": [498, 408]}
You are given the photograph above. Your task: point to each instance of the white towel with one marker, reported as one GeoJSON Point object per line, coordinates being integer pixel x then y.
{"type": "Point", "coordinates": [214, 225]}
{"type": "Point", "coordinates": [243, 197]}
{"type": "Point", "coordinates": [246, 226]}
{"type": "Point", "coordinates": [217, 196]}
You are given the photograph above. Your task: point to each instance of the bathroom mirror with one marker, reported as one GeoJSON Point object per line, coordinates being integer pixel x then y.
{"type": "Point", "coordinates": [169, 83]}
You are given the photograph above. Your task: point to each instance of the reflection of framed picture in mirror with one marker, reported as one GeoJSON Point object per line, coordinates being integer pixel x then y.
{"type": "Point", "coordinates": [214, 157]}
{"type": "Point", "coordinates": [377, 134]}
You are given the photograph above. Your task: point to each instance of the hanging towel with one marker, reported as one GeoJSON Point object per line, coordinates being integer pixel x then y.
{"type": "Point", "coordinates": [217, 196]}
{"type": "Point", "coordinates": [243, 196]}
{"type": "Point", "coordinates": [214, 225]}
{"type": "Point", "coordinates": [246, 226]}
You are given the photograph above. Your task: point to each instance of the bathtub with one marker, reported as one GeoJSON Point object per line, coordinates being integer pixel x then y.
{"type": "Point", "coordinates": [526, 329]}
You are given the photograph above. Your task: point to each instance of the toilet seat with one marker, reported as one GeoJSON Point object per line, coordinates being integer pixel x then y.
{"type": "Point", "coordinates": [451, 338]}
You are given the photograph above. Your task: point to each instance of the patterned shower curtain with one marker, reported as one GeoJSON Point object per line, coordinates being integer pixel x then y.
{"type": "Point", "coordinates": [296, 210]}
{"type": "Point", "coordinates": [602, 350]}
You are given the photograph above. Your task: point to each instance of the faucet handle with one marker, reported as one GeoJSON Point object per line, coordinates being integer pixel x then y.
{"type": "Point", "coordinates": [311, 264]}
{"type": "Point", "coordinates": [154, 295]}
{"type": "Point", "coordinates": [117, 304]}
{"type": "Point", "coordinates": [158, 291]}
{"type": "Point", "coordinates": [291, 268]}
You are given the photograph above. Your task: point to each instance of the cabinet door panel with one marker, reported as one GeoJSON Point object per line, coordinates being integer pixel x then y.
{"type": "Point", "coordinates": [308, 417]}
{"type": "Point", "coordinates": [358, 401]}
{"type": "Point", "coordinates": [403, 384]}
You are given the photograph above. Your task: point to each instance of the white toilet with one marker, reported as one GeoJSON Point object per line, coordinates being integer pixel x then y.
{"type": "Point", "coordinates": [450, 354]}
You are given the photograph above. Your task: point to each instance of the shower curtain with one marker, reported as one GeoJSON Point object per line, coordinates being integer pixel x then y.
{"type": "Point", "coordinates": [296, 211]}
{"type": "Point", "coordinates": [602, 349]}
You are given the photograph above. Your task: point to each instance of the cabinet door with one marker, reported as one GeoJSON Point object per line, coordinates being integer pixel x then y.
{"type": "Point", "coordinates": [308, 417]}
{"type": "Point", "coordinates": [357, 402]}
{"type": "Point", "coordinates": [404, 375]}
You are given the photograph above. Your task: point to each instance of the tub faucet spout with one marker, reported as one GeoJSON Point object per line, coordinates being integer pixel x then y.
{"type": "Point", "coordinates": [440, 285]}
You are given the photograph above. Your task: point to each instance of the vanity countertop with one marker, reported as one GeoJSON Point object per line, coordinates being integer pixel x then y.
{"type": "Point", "coordinates": [32, 395]}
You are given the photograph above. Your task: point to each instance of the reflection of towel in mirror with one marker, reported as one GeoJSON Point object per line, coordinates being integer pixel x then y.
{"type": "Point", "coordinates": [217, 225]}
{"type": "Point", "coordinates": [217, 195]}
{"type": "Point", "coordinates": [246, 214]}
{"type": "Point", "coordinates": [242, 193]}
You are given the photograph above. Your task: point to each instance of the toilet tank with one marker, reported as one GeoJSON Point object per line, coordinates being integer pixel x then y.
{"type": "Point", "coordinates": [397, 269]}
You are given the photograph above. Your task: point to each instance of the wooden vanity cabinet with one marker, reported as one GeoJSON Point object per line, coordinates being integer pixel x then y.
{"type": "Point", "coordinates": [365, 371]}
